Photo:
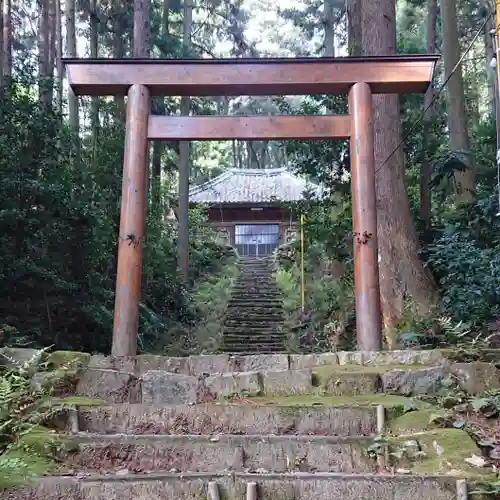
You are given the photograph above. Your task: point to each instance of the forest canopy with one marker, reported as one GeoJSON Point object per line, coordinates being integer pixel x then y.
{"type": "Point", "coordinates": [61, 162]}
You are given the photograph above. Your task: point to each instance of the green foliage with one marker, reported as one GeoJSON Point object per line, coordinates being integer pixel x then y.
{"type": "Point", "coordinates": [326, 323]}
{"type": "Point", "coordinates": [59, 223]}
{"type": "Point", "coordinates": [209, 300]}
{"type": "Point", "coordinates": [28, 447]}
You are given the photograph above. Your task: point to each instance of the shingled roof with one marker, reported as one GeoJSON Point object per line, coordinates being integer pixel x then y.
{"type": "Point", "coordinates": [245, 185]}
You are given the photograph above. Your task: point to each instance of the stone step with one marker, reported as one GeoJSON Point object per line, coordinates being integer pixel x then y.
{"type": "Point", "coordinates": [244, 336]}
{"type": "Point", "coordinates": [287, 486]}
{"type": "Point", "coordinates": [213, 453]}
{"type": "Point", "coordinates": [250, 295]}
{"type": "Point", "coordinates": [229, 418]}
{"type": "Point", "coordinates": [257, 303]}
{"type": "Point", "coordinates": [249, 338]}
{"type": "Point", "coordinates": [258, 319]}
{"type": "Point", "coordinates": [257, 312]}
{"type": "Point", "coordinates": [157, 386]}
{"type": "Point", "coordinates": [239, 320]}
{"type": "Point", "coordinates": [258, 348]}
{"type": "Point", "coordinates": [251, 329]}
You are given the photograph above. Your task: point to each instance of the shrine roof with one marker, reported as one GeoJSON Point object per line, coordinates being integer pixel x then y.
{"type": "Point", "coordinates": [253, 186]}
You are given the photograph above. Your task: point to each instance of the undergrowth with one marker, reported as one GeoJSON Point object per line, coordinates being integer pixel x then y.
{"type": "Point", "coordinates": [29, 447]}
{"type": "Point", "coordinates": [327, 321]}
{"type": "Point", "coordinates": [210, 299]}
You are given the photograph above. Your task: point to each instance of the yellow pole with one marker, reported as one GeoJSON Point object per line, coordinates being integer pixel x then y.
{"type": "Point", "coordinates": [302, 270]}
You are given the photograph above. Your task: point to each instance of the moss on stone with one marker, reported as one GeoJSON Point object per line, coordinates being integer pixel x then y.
{"type": "Point", "coordinates": [67, 360]}
{"type": "Point", "coordinates": [320, 400]}
{"type": "Point", "coordinates": [412, 421]}
{"type": "Point", "coordinates": [468, 355]}
{"type": "Point", "coordinates": [457, 445]}
{"type": "Point", "coordinates": [325, 372]}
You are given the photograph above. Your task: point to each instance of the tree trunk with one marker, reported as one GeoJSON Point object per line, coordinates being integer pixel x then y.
{"type": "Point", "coordinates": [59, 55]}
{"type": "Point", "coordinates": [354, 27]}
{"type": "Point", "coordinates": [74, 119]}
{"type": "Point", "coordinates": [94, 52]}
{"type": "Point", "coordinates": [1, 45]}
{"type": "Point", "coordinates": [184, 164]}
{"type": "Point", "coordinates": [426, 169]}
{"type": "Point", "coordinates": [141, 49]}
{"type": "Point", "coordinates": [7, 39]}
{"type": "Point", "coordinates": [457, 121]}
{"type": "Point", "coordinates": [159, 146]}
{"type": "Point", "coordinates": [402, 273]}
{"type": "Point", "coordinates": [52, 40]}
{"type": "Point", "coordinates": [490, 53]}
{"type": "Point", "coordinates": [44, 83]}
{"type": "Point", "coordinates": [329, 23]}
{"type": "Point", "coordinates": [119, 52]}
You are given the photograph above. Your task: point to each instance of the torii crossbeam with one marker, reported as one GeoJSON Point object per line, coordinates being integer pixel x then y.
{"type": "Point", "coordinates": [359, 77]}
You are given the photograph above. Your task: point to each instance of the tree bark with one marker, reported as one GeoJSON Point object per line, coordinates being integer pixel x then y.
{"type": "Point", "coordinates": [44, 83]}
{"type": "Point", "coordinates": [59, 55]}
{"type": "Point", "coordinates": [490, 53]}
{"type": "Point", "coordinates": [94, 53]}
{"type": "Point", "coordinates": [119, 52]}
{"type": "Point", "coordinates": [402, 273]}
{"type": "Point", "coordinates": [159, 146]}
{"type": "Point", "coordinates": [7, 39]}
{"type": "Point", "coordinates": [141, 49]}
{"type": "Point", "coordinates": [184, 164]}
{"type": "Point", "coordinates": [354, 35]}
{"type": "Point", "coordinates": [329, 23]}
{"type": "Point", "coordinates": [457, 121]}
{"type": "Point", "coordinates": [426, 168]}
{"type": "Point", "coordinates": [1, 45]}
{"type": "Point", "coordinates": [73, 112]}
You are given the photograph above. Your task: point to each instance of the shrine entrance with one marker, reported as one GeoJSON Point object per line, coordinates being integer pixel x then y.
{"type": "Point", "coordinates": [139, 79]}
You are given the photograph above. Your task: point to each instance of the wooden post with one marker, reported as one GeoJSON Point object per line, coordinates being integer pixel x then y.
{"type": "Point", "coordinates": [132, 223]}
{"type": "Point", "coordinates": [364, 219]}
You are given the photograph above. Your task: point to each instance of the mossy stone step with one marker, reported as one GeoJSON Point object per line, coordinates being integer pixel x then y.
{"type": "Point", "coordinates": [271, 486]}
{"type": "Point", "coordinates": [207, 453]}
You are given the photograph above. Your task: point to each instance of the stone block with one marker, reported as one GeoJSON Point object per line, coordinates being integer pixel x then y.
{"type": "Point", "coordinates": [350, 358]}
{"type": "Point", "coordinates": [297, 486]}
{"type": "Point", "coordinates": [146, 362]}
{"type": "Point", "coordinates": [209, 363]}
{"type": "Point", "coordinates": [227, 384]}
{"type": "Point", "coordinates": [204, 453]}
{"type": "Point", "coordinates": [403, 357]}
{"type": "Point", "coordinates": [281, 383]}
{"type": "Point", "coordinates": [119, 363]}
{"type": "Point", "coordinates": [432, 380]}
{"type": "Point", "coordinates": [229, 419]}
{"type": "Point", "coordinates": [476, 378]}
{"type": "Point", "coordinates": [109, 385]}
{"type": "Point", "coordinates": [264, 362]}
{"type": "Point", "coordinates": [161, 387]}
{"type": "Point", "coordinates": [342, 383]}
{"type": "Point", "coordinates": [301, 361]}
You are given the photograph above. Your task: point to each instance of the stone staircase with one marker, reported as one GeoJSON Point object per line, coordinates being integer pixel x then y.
{"type": "Point", "coordinates": [261, 427]}
{"type": "Point", "coordinates": [254, 316]}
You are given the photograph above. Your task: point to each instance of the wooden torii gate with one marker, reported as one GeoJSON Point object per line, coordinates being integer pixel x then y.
{"type": "Point", "coordinates": [359, 77]}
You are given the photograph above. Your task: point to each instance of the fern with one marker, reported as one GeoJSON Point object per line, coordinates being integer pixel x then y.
{"type": "Point", "coordinates": [28, 447]}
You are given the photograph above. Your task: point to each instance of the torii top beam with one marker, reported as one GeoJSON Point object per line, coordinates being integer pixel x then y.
{"type": "Point", "coordinates": [232, 77]}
